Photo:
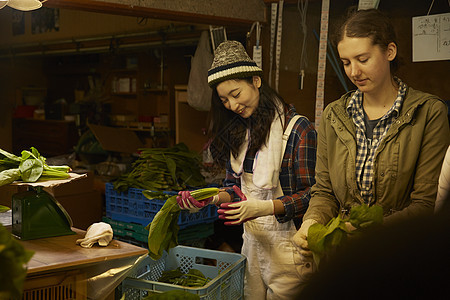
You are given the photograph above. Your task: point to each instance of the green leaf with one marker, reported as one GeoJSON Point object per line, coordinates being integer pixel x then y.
{"type": "Point", "coordinates": [323, 239]}
{"type": "Point", "coordinates": [172, 295]}
{"type": "Point", "coordinates": [13, 259]}
{"type": "Point", "coordinates": [4, 208]}
{"type": "Point", "coordinates": [9, 176]}
{"type": "Point", "coordinates": [316, 237]}
{"type": "Point", "coordinates": [363, 216]}
{"type": "Point", "coordinates": [172, 167]}
{"type": "Point", "coordinates": [334, 239]}
{"type": "Point", "coordinates": [155, 195]}
{"type": "Point", "coordinates": [9, 156]}
{"type": "Point", "coordinates": [163, 230]}
{"type": "Point", "coordinates": [196, 273]}
{"type": "Point", "coordinates": [163, 169]}
{"type": "Point", "coordinates": [31, 169]}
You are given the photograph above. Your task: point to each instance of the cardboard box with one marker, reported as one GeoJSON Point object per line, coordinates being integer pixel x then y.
{"type": "Point", "coordinates": [79, 186]}
{"type": "Point", "coordinates": [116, 139]}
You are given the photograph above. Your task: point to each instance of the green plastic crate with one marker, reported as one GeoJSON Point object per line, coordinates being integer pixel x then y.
{"type": "Point", "coordinates": [138, 232]}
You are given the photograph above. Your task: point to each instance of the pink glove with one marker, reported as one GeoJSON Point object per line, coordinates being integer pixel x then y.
{"type": "Point", "coordinates": [186, 201]}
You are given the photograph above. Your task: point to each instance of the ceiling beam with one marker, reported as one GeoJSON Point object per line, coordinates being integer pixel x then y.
{"type": "Point", "coordinates": [218, 12]}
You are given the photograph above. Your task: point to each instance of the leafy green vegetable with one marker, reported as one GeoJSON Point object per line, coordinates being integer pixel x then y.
{"type": "Point", "coordinates": [9, 176]}
{"type": "Point", "coordinates": [194, 278]}
{"type": "Point", "coordinates": [30, 167]}
{"type": "Point", "coordinates": [4, 208]}
{"type": "Point", "coordinates": [323, 239]}
{"type": "Point", "coordinates": [13, 258]}
{"type": "Point", "coordinates": [155, 195]}
{"type": "Point", "coordinates": [160, 169]}
{"type": "Point", "coordinates": [172, 295]}
{"type": "Point", "coordinates": [363, 216]}
{"type": "Point", "coordinates": [4, 155]}
{"type": "Point", "coordinates": [8, 160]}
{"type": "Point", "coordinates": [163, 230]}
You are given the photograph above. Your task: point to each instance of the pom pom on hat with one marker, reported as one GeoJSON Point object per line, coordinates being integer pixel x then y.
{"type": "Point", "coordinates": [231, 61]}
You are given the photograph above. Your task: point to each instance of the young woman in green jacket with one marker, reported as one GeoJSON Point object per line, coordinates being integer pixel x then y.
{"type": "Point", "coordinates": [383, 143]}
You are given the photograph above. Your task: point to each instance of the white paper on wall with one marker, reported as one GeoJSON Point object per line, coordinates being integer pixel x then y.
{"type": "Point", "coordinates": [431, 37]}
{"type": "Point", "coordinates": [367, 4]}
{"type": "Point", "coordinates": [257, 55]}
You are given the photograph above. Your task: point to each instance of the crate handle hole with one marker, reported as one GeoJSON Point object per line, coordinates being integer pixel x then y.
{"type": "Point", "coordinates": [205, 261]}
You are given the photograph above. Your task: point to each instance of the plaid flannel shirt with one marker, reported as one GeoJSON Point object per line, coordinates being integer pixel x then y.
{"type": "Point", "coordinates": [365, 148]}
{"type": "Point", "coordinates": [297, 170]}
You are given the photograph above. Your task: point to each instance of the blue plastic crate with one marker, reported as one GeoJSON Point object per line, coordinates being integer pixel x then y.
{"type": "Point", "coordinates": [133, 207]}
{"type": "Point", "coordinates": [224, 268]}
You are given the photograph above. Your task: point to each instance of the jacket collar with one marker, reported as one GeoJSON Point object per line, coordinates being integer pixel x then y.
{"type": "Point", "coordinates": [413, 99]}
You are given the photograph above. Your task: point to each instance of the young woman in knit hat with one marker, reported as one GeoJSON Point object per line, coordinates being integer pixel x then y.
{"type": "Point", "coordinates": [270, 153]}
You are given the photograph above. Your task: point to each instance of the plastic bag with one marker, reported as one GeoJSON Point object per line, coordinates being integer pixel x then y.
{"type": "Point", "coordinates": [198, 91]}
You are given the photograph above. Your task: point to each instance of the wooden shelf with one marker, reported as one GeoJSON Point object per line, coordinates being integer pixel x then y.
{"type": "Point", "coordinates": [124, 94]}
{"type": "Point", "coordinates": [162, 91]}
{"type": "Point", "coordinates": [190, 123]}
{"type": "Point", "coordinates": [50, 137]}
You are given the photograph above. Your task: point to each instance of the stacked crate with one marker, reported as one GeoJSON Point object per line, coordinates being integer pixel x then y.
{"type": "Point", "coordinates": [130, 212]}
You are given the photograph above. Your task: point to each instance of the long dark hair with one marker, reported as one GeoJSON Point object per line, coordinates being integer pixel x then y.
{"type": "Point", "coordinates": [227, 129]}
{"type": "Point", "coordinates": [370, 23]}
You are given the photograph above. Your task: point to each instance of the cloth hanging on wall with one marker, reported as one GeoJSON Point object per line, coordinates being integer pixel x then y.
{"type": "Point", "coordinates": [198, 91]}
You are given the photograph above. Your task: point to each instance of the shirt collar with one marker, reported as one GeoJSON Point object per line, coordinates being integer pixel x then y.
{"type": "Point", "coordinates": [355, 103]}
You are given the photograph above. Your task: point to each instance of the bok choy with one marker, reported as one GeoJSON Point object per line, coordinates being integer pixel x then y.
{"type": "Point", "coordinates": [30, 167]}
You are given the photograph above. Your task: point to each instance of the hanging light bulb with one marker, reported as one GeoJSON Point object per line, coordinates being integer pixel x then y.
{"type": "Point", "coordinates": [25, 5]}
{"type": "Point", "coordinates": [3, 3]}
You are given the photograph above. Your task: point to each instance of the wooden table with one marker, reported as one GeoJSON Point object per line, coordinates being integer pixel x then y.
{"type": "Point", "coordinates": [61, 255]}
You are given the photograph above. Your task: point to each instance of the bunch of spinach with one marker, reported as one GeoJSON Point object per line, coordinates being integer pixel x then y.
{"type": "Point", "coordinates": [30, 167]}
{"type": "Point", "coordinates": [194, 278]}
{"type": "Point", "coordinates": [171, 295]}
{"type": "Point", "coordinates": [159, 169]}
{"type": "Point", "coordinates": [323, 239]}
{"type": "Point", "coordinates": [163, 229]}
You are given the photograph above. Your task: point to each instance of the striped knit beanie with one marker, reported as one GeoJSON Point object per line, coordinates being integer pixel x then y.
{"type": "Point", "coordinates": [231, 61]}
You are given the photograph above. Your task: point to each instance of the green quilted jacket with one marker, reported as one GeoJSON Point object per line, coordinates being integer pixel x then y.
{"type": "Point", "coordinates": [406, 165]}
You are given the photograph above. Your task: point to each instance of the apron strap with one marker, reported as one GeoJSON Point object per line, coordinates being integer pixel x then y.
{"type": "Point", "coordinates": [287, 133]}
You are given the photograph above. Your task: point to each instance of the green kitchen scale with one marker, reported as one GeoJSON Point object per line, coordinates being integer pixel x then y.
{"type": "Point", "coordinates": [37, 214]}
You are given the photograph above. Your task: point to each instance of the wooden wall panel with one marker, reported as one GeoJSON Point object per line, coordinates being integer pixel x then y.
{"type": "Point", "coordinates": [432, 77]}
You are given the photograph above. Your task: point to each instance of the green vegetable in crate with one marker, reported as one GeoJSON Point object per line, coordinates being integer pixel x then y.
{"type": "Point", "coordinates": [163, 230]}
{"type": "Point", "coordinates": [172, 295]}
{"type": "Point", "coordinates": [194, 278]}
{"type": "Point", "coordinates": [156, 195]}
{"type": "Point", "coordinates": [159, 169]}
{"type": "Point", "coordinates": [322, 239]}
{"type": "Point", "coordinates": [30, 167]}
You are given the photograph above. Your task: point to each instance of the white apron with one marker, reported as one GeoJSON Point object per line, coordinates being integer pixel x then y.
{"type": "Point", "coordinates": [275, 269]}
